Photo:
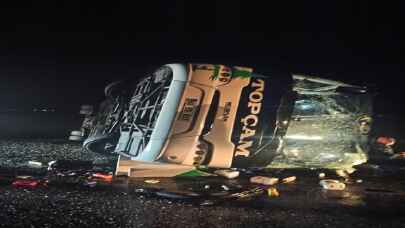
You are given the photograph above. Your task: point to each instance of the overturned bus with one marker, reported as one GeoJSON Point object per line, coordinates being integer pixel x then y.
{"type": "Point", "coordinates": [219, 116]}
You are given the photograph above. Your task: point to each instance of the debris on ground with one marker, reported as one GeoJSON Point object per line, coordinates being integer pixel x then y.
{"type": "Point", "coordinates": [72, 174]}
{"type": "Point", "coordinates": [289, 179]}
{"type": "Point", "coordinates": [230, 174]}
{"type": "Point", "coordinates": [273, 192]}
{"type": "Point", "coordinates": [176, 195]}
{"type": "Point", "coordinates": [50, 165]}
{"type": "Point", "coordinates": [330, 184]}
{"type": "Point", "coordinates": [386, 141]}
{"type": "Point", "coordinates": [26, 183]}
{"type": "Point", "coordinates": [90, 183]}
{"type": "Point", "coordinates": [23, 177]}
{"type": "Point", "coordinates": [104, 177]}
{"type": "Point", "coordinates": [34, 164]}
{"type": "Point", "coordinates": [207, 203]}
{"type": "Point", "coordinates": [152, 181]}
{"type": "Point", "coordinates": [264, 180]}
{"type": "Point", "coordinates": [386, 144]}
{"type": "Point", "coordinates": [248, 193]}
{"type": "Point", "coordinates": [226, 188]}
{"type": "Point", "coordinates": [84, 173]}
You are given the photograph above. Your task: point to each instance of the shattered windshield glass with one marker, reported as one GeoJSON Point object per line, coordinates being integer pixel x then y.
{"type": "Point", "coordinates": [328, 127]}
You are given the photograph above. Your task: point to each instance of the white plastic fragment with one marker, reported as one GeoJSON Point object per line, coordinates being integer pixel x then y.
{"type": "Point", "coordinates": [72, 174]}
{"type": "Point", "coordinates": [152, 181]}
{"type": "Point", "coordinates": [76, 133]}
{"type": "Point", "coordinates": [50, 164]}
{"type": "Point", "coordinates": [330, 184]}
{"type": "Point", "coordinates": [34, 164]}
{"type": "Point", "coordinates": [321, 175]}
{"type": "Point", "coordinates": [207, 203]}
{"type": "Point", "coordinates": [264, 180]}
{"type": "Point", "coordinates": [90, 183]}
{"type": "Point", "coordinates": [289, 179]}
{"type": "Point", "coordinates": [230, 174]}
{"type": "Point", "coordinates": [226, 188]}
{"type": "Point", "coordinates": [23, 177]}
{"type": "Point", "coordinates": [75, 138]}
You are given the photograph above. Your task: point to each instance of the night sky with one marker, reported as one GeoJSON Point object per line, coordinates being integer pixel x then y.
{"type": "Point", "coordinates": [62, 53]}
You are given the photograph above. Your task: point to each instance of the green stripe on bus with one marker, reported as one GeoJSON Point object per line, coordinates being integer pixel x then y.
{"type": "Point", "coordinates": [241, 73]}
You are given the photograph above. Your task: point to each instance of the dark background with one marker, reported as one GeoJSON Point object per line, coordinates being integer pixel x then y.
{"type": "Point", "coordinates": [61, 54]}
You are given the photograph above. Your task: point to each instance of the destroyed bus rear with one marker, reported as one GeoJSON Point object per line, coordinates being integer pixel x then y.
{"type": "Point", "coordinates": [219, 116]}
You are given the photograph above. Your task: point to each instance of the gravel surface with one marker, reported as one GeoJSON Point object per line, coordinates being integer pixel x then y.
{"type": "Point", "coordinates": [68, 207]}
{"type": "Point", "coordinates": [119, 204]}
{"type": "Point", "coordinates": [15, 153]}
